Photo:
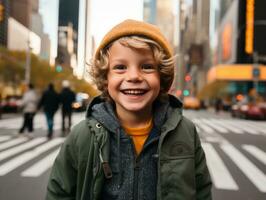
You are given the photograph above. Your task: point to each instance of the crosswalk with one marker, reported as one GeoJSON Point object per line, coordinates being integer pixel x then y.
{"type": "Point", "coordinates": [18, 152]}
{"type": "Point", "coordinates": [234, 126]}
{"type": "Point", "coordinates": [221, 176]}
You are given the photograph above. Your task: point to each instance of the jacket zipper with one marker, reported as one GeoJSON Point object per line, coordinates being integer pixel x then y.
{"type": "Point", "coordinates": [136, 179]}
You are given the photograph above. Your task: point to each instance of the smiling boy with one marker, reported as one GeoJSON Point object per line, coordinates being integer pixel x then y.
{"type": "Point", "coordinates": [135, 143]}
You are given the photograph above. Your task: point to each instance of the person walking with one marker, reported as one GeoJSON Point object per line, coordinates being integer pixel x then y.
{"type": "Point", "coordinates": [135, 142]}
{"type": "Point", "coordinates": [50, 103]}
{"type": "Point", "coordinates": [29, 107]}
{"type": "Point", "coordinates": [67, 97]}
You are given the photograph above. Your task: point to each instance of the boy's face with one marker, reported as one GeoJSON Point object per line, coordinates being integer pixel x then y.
{"type": "Point", "coordinates": [133, 79]}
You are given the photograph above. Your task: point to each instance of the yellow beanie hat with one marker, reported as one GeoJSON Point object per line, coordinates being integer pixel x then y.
{"type": "Point", "coordinates": [133, 27]}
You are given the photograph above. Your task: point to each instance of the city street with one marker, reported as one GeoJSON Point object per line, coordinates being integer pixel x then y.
{"type": "Point", "coordinates": [235, 150]}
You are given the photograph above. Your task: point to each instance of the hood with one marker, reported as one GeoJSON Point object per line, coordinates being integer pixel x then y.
{"type": "Point", "coordinates": [103, 111]}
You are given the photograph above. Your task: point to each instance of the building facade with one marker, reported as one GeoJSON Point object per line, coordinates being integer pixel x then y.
{"type": "Point", "coordinates": [68, 33]}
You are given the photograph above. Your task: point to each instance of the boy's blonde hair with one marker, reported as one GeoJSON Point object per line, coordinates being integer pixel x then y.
{"type": "Point", "coordinates": [165, 64]}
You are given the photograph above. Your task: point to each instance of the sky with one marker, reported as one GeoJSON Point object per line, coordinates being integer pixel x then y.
{"type": "Point", "coordinates": [49, 11]}
{"type": "Point", "coordinates": [107, 13]}
{"type": "Point", "coordinates": [104, 15]}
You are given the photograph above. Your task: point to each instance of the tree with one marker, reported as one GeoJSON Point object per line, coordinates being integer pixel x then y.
{"type": "Point", "coordinates": [12, 70]}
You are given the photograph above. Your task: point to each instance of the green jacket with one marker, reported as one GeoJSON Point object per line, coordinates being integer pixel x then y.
{"type": "Point", "coordinates": [182, 171]}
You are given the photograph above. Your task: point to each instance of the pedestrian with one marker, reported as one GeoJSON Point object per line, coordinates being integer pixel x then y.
{"type": "Point", "coordinates": [50, 103]}
{"type": "Point", "coordinates": [67, 97]}
{"type": "Point", "coordinates": [218, 104]}
{"type": "Point", "coordinates": [134, 143]}
{"type": "Point", "coordinates": [29, 108]}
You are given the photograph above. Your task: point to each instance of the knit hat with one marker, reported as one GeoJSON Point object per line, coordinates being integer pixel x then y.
{"type": "Point", "coordinates": [133, 27]}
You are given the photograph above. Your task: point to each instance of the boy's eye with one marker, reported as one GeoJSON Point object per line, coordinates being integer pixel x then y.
{"type": "Point", "coordinates": [148, 67]}
{"type": "Point", "coordinates": [119, 67]}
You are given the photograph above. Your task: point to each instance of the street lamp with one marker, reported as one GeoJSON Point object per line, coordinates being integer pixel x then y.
{"type": "Point", "coordinates": [28, 61]}
{"type": "Point", "coordinates": [28, 53]}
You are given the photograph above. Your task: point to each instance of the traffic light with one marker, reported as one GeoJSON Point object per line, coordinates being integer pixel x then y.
{"type": "Point", "coordinates": [178, 93]}
{"type": "Point", "coordinates": [2, 12]}
{"type": "Point", "coordinates": [58, 68]}
{"type": "Point", "coordinates": [186, 93]}
{"type": "Point", "coordinates": [187, 78]}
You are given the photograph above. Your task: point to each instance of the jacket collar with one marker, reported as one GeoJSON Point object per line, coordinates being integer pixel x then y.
{"type": "Point", "coordinates": [166, 110]}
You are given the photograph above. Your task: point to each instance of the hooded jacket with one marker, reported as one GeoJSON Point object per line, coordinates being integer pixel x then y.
{"type": "Point", "coordinates": [82, 167]}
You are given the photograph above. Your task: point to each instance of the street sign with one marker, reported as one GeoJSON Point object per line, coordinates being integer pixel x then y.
{"type": "Point", "coordinates": [256, 73]}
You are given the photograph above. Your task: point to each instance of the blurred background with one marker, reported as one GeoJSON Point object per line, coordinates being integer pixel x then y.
{"type": "Point", "coordinates": [220, 76]}
{"type": "Point", "coordinates": [220, 45]}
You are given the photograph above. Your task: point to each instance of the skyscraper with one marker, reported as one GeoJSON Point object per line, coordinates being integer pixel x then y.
{"type": "Point", "coordinates": [67, 32]}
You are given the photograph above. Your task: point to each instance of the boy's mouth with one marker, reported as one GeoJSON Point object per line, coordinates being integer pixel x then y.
{"type": "Point", "coordinates": [134, 91]}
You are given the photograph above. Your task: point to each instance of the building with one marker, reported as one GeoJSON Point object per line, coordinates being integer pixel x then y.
{"type": "Point", "coordinates": [238, 57]}
{"type": "Point", "coordinates": [67, 38]}
{"type": "Point", "coordinates": [20, 38]}
{"type": "Point", "coordinates": [37, 27]}
{"type": "Point", "coordinates": [21, 10]}
{"type": "Point", "coordinates": [4, 14]}
{"type": "Point", "coordinates": [193, 45]}
{"type": "Point", "coordinates": [68, 33]}
{"type": "Point", "coordinates": [150, 11]}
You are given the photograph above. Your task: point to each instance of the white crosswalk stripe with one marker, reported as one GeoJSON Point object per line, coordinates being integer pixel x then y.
{"type": "Point", "coordinates": [256, 152]}
{"type": "Point", "coordinates": [12, 143]}
{"type": "Point", "coordinates": [221, 177]}
{"type": "Point", "coordinates": [4, 138]}
{"type": "Point", "coordinates": [25, 157]}
{"type": "Point", "coordinates": [24, 153]}
{"type": "Point", "coordinates": [241, 126]}
{"type": "Point", "coordinates": [256, 176]}
{"type": "Point", "coordinates": [41, 166]}
{"type": "Point", "coordinates": [204, 127]}
{"type": "Point", "coordinates": [216, 126]}
{"type": "Point", "coordinates": [20, 148]}
{"type": "Point", "coordinates": [224, 126]}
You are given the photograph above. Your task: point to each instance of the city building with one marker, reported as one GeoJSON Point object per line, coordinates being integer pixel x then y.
{"type": "Point", "coordinates": [37, 27]}
{"type": "Point", "coordinates": [4, 14]}
{"type": "Point", "coordinates": [150, 11]}
{"type": "Point", "coordinates": [20, 38]}
{"type": "Point", "coordinates": [21, 10]}
{"type": "Point", "coordinates": [238, 55]}
{"type": "Point", "coordinates": [193, 54]}
{"type": "Point", "coordinates": [68, 33]}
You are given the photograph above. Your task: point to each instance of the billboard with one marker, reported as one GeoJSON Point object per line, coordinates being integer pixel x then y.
{"type": "Point", "coordinates": [227, 53]}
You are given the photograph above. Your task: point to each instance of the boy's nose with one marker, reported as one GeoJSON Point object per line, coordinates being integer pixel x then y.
{"type": "Point", "coordinates": [134, 75]}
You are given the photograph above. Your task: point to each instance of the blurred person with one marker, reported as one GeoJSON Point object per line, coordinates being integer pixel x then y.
{"type": "Point", "coordinates": [67, 97]}
{"type": "Point", "coordinates": [218, 104]}
{"type": "Point", "coordinates": [50, 103]}
{"type": "Point", "coordinates": [134, 143]}
{"type": "Point", "coordinates": [29, 108]}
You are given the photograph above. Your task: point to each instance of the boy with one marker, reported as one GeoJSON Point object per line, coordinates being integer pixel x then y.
{"type": "Point", "coordinates": [135, 143]}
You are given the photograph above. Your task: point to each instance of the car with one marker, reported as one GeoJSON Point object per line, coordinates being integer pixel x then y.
{"type": "Point", "coordinates": [11, 104]}
{"type": "Point", "coordinates": [248, 110]}
{"type": "Point", "coordinates": [191, 103]}
{"type": "Point", "coordinates": [81, 102]}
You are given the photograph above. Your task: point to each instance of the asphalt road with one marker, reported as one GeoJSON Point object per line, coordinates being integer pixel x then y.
{"type": "Point", "coordinates": [235, 151]}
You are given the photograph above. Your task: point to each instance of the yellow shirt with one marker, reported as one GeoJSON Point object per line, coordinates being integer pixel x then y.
{"type": "Point", "coordinates": [139, 135]}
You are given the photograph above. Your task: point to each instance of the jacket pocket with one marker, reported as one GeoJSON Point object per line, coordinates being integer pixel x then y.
{"type": "Point", "coordinates": [177, 178]}
{"type": "Point", "coordinates": [177, 150]}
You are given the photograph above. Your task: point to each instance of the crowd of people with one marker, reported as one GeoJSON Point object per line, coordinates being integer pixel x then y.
{"type": "Point", "coordinates": [50, 102]}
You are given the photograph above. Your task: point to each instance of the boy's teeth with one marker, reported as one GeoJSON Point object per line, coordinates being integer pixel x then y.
{"type": "Point", "coordinates": [136, 92]}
